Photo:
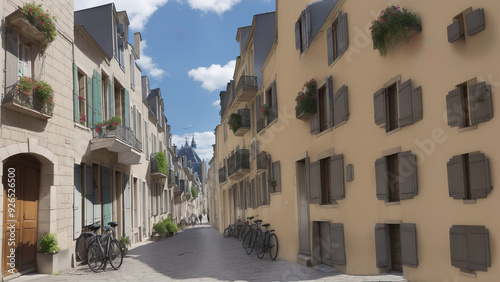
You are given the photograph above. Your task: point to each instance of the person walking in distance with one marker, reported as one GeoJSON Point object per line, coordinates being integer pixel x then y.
{"type": "Point", "coordinates": [200, 217]}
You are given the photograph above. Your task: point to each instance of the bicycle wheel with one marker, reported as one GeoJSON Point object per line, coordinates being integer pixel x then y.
{"type": "Point", "coordinates": [80, 249]}
{"type": "Point", "coordinates": [95, 257]}
{"type": "Point", "coordinates": [272, 244]}
{"type": "Point", "coordinates": [115, 254]}
{"type": "Point", "coordinates": [260, 247]}
{"type": "Point", "coordinates": [226, 232]}
{"type": "Point", "coordinates": [251, 242]}
{"type": "Point", "coordinates": [246, 240]}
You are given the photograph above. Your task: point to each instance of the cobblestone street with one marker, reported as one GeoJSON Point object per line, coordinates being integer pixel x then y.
{"type": "Point", "coordinates": [200, 253]}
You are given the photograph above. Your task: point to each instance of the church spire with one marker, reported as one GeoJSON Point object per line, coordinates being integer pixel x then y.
{"type": "Point", "coordinates": [193, 143]}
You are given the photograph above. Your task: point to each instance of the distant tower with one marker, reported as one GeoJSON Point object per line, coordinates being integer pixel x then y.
{"type": "Point", "coordinates": [193, 143]}
{"type": "Point", "coordinates": [186, 144]}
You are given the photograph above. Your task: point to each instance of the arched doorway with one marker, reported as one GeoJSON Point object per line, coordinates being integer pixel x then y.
{"type": "Point", "coordinates": [21, 182]}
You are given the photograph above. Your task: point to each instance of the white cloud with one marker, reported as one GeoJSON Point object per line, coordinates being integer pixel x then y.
{"type": "Point", "coordinates": [215, 76]}
{"type": "Point", "coordinates": [216, 6]}
{"type": "Point", "coordinates": [204, 142]}
{"type": "Point", "coordinates": [138, 12]}
{"type": "Point", "coordinates": [216, 103]}
{"type": "Point", "coordinates": [148, 66]}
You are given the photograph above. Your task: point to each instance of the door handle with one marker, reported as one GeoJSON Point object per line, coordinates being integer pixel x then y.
{"type": "Point", "coordinates": [24, 215]}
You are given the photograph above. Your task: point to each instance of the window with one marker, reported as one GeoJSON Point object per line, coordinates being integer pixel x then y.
{"type": "Point", "coordinates": [264, 191]}
{"type": "Point", "coordinates": [469, 176]}
{"type": "Point", "coordinates": [323, 109]}
{"type": "Point", "coordinates": [396, 245]}
{"type": "Point", "coordinates": [327, 180]}
{"type": "Point", "coordinates": [271, 100]}
{"type": "Point", "coordinates": [396, 177]}
{"type": "Point", "coordinates": [259, 116]}
{"type": "Point", "coordinates": [132, 71]}
{"type": "Point", "coordinates": [106, 105]}
{"type": "Point", "coordinates": [470, 247]}
{"type": "Point", "coordinates": [397, 105]}
{"type": "Point", "coordinates": [24, 60]}
{"type": "Point", "coordinates": [275, 185]}
{"type": "Point", "coordinates": [82, 99]}
{"type": "Point", "coordinates": [469, 104]}
{"type": "Point", "coordinates": [303, 30]}
{"type": "Point", "coordinates": [337, 38]}
{"type": "Point", "coordinates": [473, 20]}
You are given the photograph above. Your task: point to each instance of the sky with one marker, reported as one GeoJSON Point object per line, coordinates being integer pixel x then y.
{"type": "Point", "coordinates": [189, 51]}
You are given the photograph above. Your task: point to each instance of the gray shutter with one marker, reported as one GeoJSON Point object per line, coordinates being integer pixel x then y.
{"type": "Point", "coordinates": [11, 62]}
{"type": "Point", "coordinates": [379, 103]}
{"type": "Point", "coordinates": [265, 191]}
{"type": "Point", "coordinates": [479, 174]}
{"type": "Point", "coordinates": [481, 107]}
{"type": "Point", "coordinates": [329, 45]}
{"type": "Point", "coordinates": [475, 22]}
{"type": "Point", "coordinates": [381, 179]}
{"type": "Point", "coordinates": [315, 183]}
{"type": "Point", "coordinates": [127, 224]}
{"type": "Point", "coordinates": [478, 244]}
{"type": "Point", "coordinates": [329, 91]}
{"type": "Point", "coordinates": [454, 107]}
{"type": "Point", "coordinates": [409, 244]}
{"type": "Point", "coordinates": [382, 245]}
{"type": "Point", "coordinates": [349, 173]}
{"type": "Point", "coordinates": [337, 243]}
{"type": "Point", "coordinates": [275, 99]}
{"type": "Point", "coordinates": [458, 246]}
{"type": "Point", "coordinates": [277, 176]}
{"type": "Point", "coordinates": [308, 27]}
{"type": "Point", "coordinates": [325, 244]}
{"type": "Point", "coordinates": [314, 120]}
{"type": "Point", "coordinates": [121, 52]}
{"type": "Point", "coordinates": [342, 34]}
{"type": "Point", "coordinates": [76, 101]}
{"type": "Point", "coordinates": [341, 106]}
{"type": "Point", "coordinates": [297, 35]}
{"type": "Point", "coordinates": [454, 31]}
{"type": "Point", "coordinates": [90, 105]}
{"type": "Point", "coordinates": [89, 196]}
{"type": "Point", "coordinates": [308, 178]}
{"type": "Point", "coordinates": [407, 170]}
{"type": "Point", "coordinates": [337, 176]}
{"type": "Point", "coordinates": [405, 103]}
{"type": "Point", "coordinates": [304, 31]}
{"type": "Point", "coordinates": [77, 202]}
{"type": "Point", "coordinates": [456, 177]}
{"type": "Point", "coordinates": [417, 104]}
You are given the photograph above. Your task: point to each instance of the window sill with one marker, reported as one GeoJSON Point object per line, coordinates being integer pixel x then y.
{"type": "Point", "coordinates": [467, 273]}
{"type": "Point", "coordinates": [340, 124]}
{"type": "Point", "coordinates": [465, 129]}
{"type": "Point", "coordinates": [393, 131]}
{"type": "Point", "coordinates": [83, 127]}
{"type": "Point", "coordinates": [324, 132]}
{"type": "Point", "coordinates": [469, 201]}
{"type": "Point", "coordinates": [392, 203]}
{"type": "Point", "coordinates": [329, 206]}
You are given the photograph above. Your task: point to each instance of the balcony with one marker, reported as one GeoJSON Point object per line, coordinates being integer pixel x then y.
{"type": "Point", "coordinates": [261, 124]}
{"type": "Point", "coordinates": [20, 24]}
{"type": "Point", "coordinates": [246, 88]}
{"type": "Point", "coordinates": [170, 180]}
{"type": "Point", "coordinates": [240, 122]}
{"type": "Point", "coordinates": [262, 161]}
{"type": "Point", "coordinates": [120, 140]}
{"type": "Point", "coordinates": [158, 164]}
{"type": "Point", "coordinates": [222, 175]}
{"type": "Point", "coordinates": [28, 105]}
{"type": "Point", "coordinates": [179, 189]}
{"type": "Point", "coordinates": [238, 164]}
{"type": "Point", "coordinates": [273, 114]}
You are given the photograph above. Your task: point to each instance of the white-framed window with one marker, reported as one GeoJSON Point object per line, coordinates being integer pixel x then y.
{"type": "Point", "coordinates": [24, 68]}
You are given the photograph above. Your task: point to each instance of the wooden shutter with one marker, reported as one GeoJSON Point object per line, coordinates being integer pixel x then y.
{"type": "Point", "coordinates": [382, 245]}
{"type": "Point", "coordinates": [314, 120]}
{"type": "Point", "coordinates": [254, 195]}
{"type": "Point", "coordinates": [90, 105]}
{"type": "Point", "coordinates": [349, 173]}
{"type": "Point", "coordinates": [97, 199]}
{"type": "Point", "coordinates": [381, 179]}
{"type": "Point", "coordinates": [325, 243]}
{"type": "Point", "coordinates": [478, 245]}
{"type": "Point", "coordinates": [379, 103]}
{"type": "Point", "coordinates": [409, 244]}
{"type": "Point", "coordinates": [304, 31]}
{"type": "Point", "coordinates": [127, 108]}
{"type": "Point", "coordinates": [76, 89]}
{"type": "Point", "coordinates": [337, 243]}
{"type": "Point", "coordinates": [457, 178]}
{"type": "Point", "coordinates": [454, 107]}
{"type": "Point", "coordinates": [106, 192]}
{"type": "Point", "coordinates": [405, 103]}
{"type": "Point", "coordinates": [454, 31]}
{"type": "Point", "coordinates": [111, 95]}
{"type": "Point", "coordinates": [342, 34]}
{"type": "Point", "coordinates": [77, 201]}
{"type": "Point", "coordinates": [417, 104]}
{"type": "Point", "coordinates": [89, 196]}
{"type": "Point", "coordinates": [277, 176]}
{"type": "Point", "coordinates": [308, 27]}
{"type": "Point", "coordinates": [97, 96]}
{"type": "Point", "coordinates": [274, 104]}
{"type": "Point", "coordinates": [248, 194]}
{"type": "Point", "coordinates": [475, 22]}
{"type": "Point", "coordinates": [407, 170]}
{"type": "Point", "coordinates": [337, 176]}
{"type": "Point", "coordinates": [297, 35]}
{"type": "Point", "coordinates": [329, 45]}
{"type": "Point", "coordinates": [479, 175]}
{"type": "Point", "coordinates": [307, 181]}
{"type": "Point", "coordinates": [11, 62]}
{"type": "Point", "coordinates": [121, 52]}
{"type": "Point", "coordinates": [265, 191]}
{"type": "Point", "coordinates": [458, 246]}
{"type": "Point", "coordinates": [329, 91]}
{"type": "Point", "coordinates": [315, 183]}
{"type": "Point", "coordinates": [127, 224]}
{"type": "Point", "coordinates": [481, 107]}
{"type": "Point", "coordinates": [341, 106]}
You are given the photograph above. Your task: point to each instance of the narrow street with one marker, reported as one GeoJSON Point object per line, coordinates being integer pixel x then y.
{"type": "Point", "coordinates": [200, 253]}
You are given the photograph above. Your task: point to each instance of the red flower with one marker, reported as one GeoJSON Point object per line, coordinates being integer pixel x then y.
{"type": "Point", "coordinates": [41, 23]}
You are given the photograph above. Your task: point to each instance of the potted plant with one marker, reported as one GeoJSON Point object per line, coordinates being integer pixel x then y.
{"type": "Point", "coordinates": [161, 162]}
{"type": "Point", "coordinates": [193, 192]}
{"type": "Point", "coordinates": [392, 26]}
{"type": "Point", "coordinates": [83, 119]}
{"type": "Point", "coordinates": [41, 19]}
{"type": "Point", "coordinates": [48, 257]}
{"type": "Point", "coordinates": [160, 231]}
{"type": "Point", "coordinates": [25, 91]}
{"type": "Point", "coordinates": [265, 109]}
{"type": "Point", "coordinates": [306, 101]}
{"type": "Point", "coordinates": [273, 182]}
{"type": "Point", "coordinates": [124, 243]}
{"type": "Point", "coordinates": [44, 95]}
{"type": "Point", "coordinates": [109, 124]}
{"type": "Point", "coordinates": [234, 122]}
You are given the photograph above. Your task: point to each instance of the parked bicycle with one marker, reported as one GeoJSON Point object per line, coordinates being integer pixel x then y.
{"type": "Point", "coordinates": [267, 242]}
{"type": "Point", "coordinates": [247, 229]}
{"type": "Point", "coordinates": [86, 238]}
{"type": "Point", "coordinates": [250, 239]}
{"type": "Point", "coordinates": [105, 248]}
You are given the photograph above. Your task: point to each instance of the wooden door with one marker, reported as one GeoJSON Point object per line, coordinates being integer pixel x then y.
{"type": "Point", "coordinates": [21, 180]}
{"type": "Point", "coordinates": [303, 209]}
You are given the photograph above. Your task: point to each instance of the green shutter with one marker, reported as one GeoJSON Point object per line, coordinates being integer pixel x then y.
{"type": "Point", "coordinates": [111, 95]}
{"type": "Point", "coordinates": [89, 196]}
{"type": "Point", "coordinates": [90, 120]}
{"type": "Point", "coordinates": [106, 191]}
{"type": "Point", "coordinates": [97, 99]}
{"type": "Point", "coordinates": [76, 114]}
{"type": "Point", "coordinates": [277, 176]}
{"type": "Point", "coordinates": [127, 108]}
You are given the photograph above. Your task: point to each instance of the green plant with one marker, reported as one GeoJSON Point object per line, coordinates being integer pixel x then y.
{"type": "Point", "coordinates": [171, 227]}
{"type": "Point", "coordinates": [273, 182]}
{"type": "Point", "coordinates": [41, 19]}
{"type": "Point", "coordinates": [83, 119]}
{"type": "Point", "coordinates": [109, 124]}
{"type": "Point", "coordinates": [265, 109]}
{"type": "Point", "coordinates": [193, 192]}
{"type": "Point", "coordinates": [124, 241]}
{"type": "Point", "coordinates": [160, 228]}
{"type": "Point", "coordinates": [306, 101]}
{"type": "Point", "coordinates": [161, 162]}
{"type": "Point", "coordinates": [25, 85]}
{"type": "Point", "coordinates": [45, 92]}
{"type": "Point", "coordinates": [393, 25]}
{"type": "Point", "coordinates": [234, 121]}
{"type": "Point", "coordinates": [49, 244]}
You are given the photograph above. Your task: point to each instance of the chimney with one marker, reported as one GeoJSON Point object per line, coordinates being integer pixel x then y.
{"type": "Point", "coordinates": [137, 44]}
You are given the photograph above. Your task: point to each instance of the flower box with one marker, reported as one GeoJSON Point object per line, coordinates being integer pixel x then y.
{"type": "Point", "coordinates": [18, 21]}
{"type": "Point", "coordinates": [306, 101]}
{"type": "Point", "coordinates": [299, 114]}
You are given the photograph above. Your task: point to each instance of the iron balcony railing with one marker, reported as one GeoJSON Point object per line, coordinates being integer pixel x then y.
{"type": "Point", "coordinates": [122, 133]}
{"type": "Point", "coordinates": [261, 124]}
{"type": "Point", "coordinates": [222, 175]}
{"type": "Point", "coordinates": [240, 160]}
{"type": "Point", "coordinates": [262, 160]}
{"type": "Point", "coordinates": [245, 118]}
{"type": "Point", "coordinates": [273, 114]}
{"type": "Point", "coordinates": [246, 81]}
{"type": "Point", "coordinates": [33, 101]}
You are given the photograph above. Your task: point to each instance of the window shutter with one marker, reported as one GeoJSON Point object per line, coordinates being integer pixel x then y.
{"type": "Point", "coordinates": [342, 34]}
{"type": "Point", "coordinates": [381, 179]}
{"type": "Point", "coordinates": [277, 176]}
{"type": "Point", "coordinates": [454, 107]}
{"type": "Point", "coordinates": [379, 102]}
{"type": "Point", "coordinates": [337, 243]}
{"type": "Point", "coordinates": [96, 87]}
{"type": "Point", "coordinates": [297, 35]}
{"type": "Point", "coordinates": [128, 215]}
{"type": "Point", "coordinates": [308, 27]}
{"type": "Point", "coordinates": [89, 196]}
{"type": "Point", "coordinates": [258, 106]}
{"type": "Point", "coordinates": [481, 107]}
{"type": "Point", "coordinates": [337, 176]}
{"type": "Point", "coordinates": [478, 245]}
{"type": "Point", "coordinates": [417, 104]}
{"type": "Point", "coordinates": [315, 183]}
{"type": "Point", "coordinates": [106, 192]}
{"type": "Point", "coordinates": [90, 105]}
{"type": "Point", "coordinates": [405, 103]}
{"type": "Point", "coordinates": [248, 194]}
{"type": "Point", "coordinates": [456, 177]}
{"type": "Point", "coordinates": [409, 244]}
{"type": "Point", "coordinates": [349, 173]}
{"type": "Point", "coordinates": [308, 178]}
{"type": "Point", "coordinates": [254, 195]}
{"type": "Point", "coordinates": [304, 31]}
{"type": "Point", "coordinates": [265, 191]}
{"type": "Point", "coordinates": [341, 106]}
{"type": "Point", "coordinates": [111, 95]}
{"type": "Point", "coordinates": [382, 245]}
{"type": "Point", "coordinates": [121, 53]}
{"type": "Point", "coordinates": [127, 108]}
{"type": "Point", "coordinates": [329, 45]}
{"type": "Point", "coordinates": [77, 202]}
{"type": "Point", "coordinates": [314, 120]}
{"type": "Point", "coordinates": [479, 174]}
{"type": "Point", "coordinates": [329, 91]}
{"type": "Point", "coordinates": [454, 31]}
{"type": "Point", "coordinates": [407, 170]}
{"type": "Point", "coordinates": [475, 22]}
{"type": "Point", "coordinates": [11, 62]}
{"type": "Point", "coordinates": [275, 99]}
{"type": "Point", "coordinates": [76, 101]}
{"type": "Point", "coordinates": [458, 246]}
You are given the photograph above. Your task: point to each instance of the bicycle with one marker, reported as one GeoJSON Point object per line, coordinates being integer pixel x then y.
{"type": "Point", "coordinates": [268, 242]}
{"type": "Point", "coordinates": [105, 248]}
{"type": "Point", "coordinates": [250, 240]}
{"type": "Point", "coordinates": [84, 240]}
{"type": "Point", "coordinates": [248, 227]}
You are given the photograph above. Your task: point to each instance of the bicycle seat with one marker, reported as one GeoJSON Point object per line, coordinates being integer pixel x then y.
{"type": "Point", "coordinates": [257, 221]}
{"type": "Point", "coordinates": [95, 227]}
{"type": "Point", "coordinates": [266, 225]}
{"type": "Point", "coordinates": [250, 217]}
{"type": "Point", "coordinates": [113, 224]}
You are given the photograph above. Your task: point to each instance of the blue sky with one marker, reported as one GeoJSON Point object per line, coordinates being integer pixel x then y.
{"type": "Point", "coordinates": [189, 50]}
